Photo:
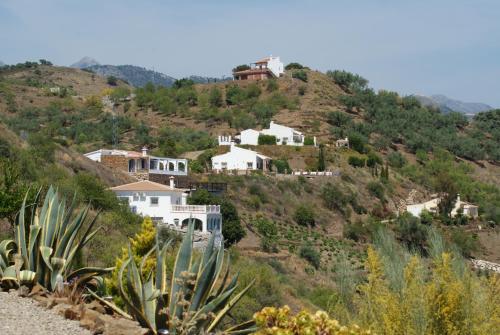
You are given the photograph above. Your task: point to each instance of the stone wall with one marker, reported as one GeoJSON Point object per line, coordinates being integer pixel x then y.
{"type": "Point", "coordinates": [115, 162]}
{"type": "Point", "coordinates": [165, 179]}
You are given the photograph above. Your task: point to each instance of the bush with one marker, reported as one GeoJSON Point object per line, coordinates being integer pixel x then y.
{"type": "Point", "coordinates": [304, 216]}
{"type": "Point", "coordinates": [93, 191]}
{"type": "Point", "coordinates": [308, 253]}
{"type": "Point", "coordinates": [300, 74]}
{"type": "Point", "coordinates": [333, 197]}
{"type": "Point", "coordinates": [373, 159]}
{"type": "Point", "coordinates": [376, 189]}
{"type": "Point", "coordinates": [347, 80]}
{"type": "Point", "coordinates": [466, 242]}
{"type": "Point", "coordinates": [215, 97]}
{"type": "Point", "coordinates": [281, 165]}
{"type": "Point", "coordinates": [272, 85]}
{"type": "Point", "coordinates": [411, 232]}
{"type": "Point", "coordinates": [267, 139]}
{"type": "Point", "coordinates": [308, 140]}
{"type": "Point", "coordinates": [302, 90]}
{"type": "Point", "coordinates": [396, 159]}
{"type": "Point", "coordinates": [252, 91]}
{"type": "Point", "coordinates": [356, 161]}
{"type": "Point", "coordinates": [112, 80]}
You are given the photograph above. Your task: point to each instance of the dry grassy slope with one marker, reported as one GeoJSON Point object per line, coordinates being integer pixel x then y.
{"type": "Point", "coordinates": [81, 82]}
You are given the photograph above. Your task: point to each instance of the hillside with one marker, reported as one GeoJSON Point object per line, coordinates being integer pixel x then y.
{"type": "Point", "coordinates": [426, 152]}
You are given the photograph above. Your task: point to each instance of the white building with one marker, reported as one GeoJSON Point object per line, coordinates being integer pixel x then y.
{"type": "Point", "coordinates": [168, 205]}
{"type": "Point", "coordinates": [274, 64]}
{"type": "Point", "coordinates": [266, 68]}
{"type": "Point", "coordinates": [432, 206]}
{"type": "Point", "coordinates": [241, 160]}
{"type": "Point", "coordinates": [342, 143]}
{"type": "Point", "coordinates": [284, 136]}
{"type": "Point", "coordinates": [135, 162]}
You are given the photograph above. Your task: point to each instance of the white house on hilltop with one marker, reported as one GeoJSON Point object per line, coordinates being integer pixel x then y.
{"type": "Point", "coordinates": [168, 205]}
{"type": "Point", "coordinates": [284, 136]}
{"type": "Point", "coordinates": [240, 159]}
{"type": "Point", "coordinates": [266, 68]}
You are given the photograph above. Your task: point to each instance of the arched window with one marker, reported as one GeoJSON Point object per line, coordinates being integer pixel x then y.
{"type": "Point", "coordinates": [171, 166]}
{"type": "Point", "coordinates": [182, 166]}
{"type": "Point", "coordinates": [161, 166]}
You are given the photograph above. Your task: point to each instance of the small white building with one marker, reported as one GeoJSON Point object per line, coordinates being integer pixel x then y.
{"type": "Point", "coordinates": [284, 136]}
{"type": "Point", "coordinates": [432, 206]}
{"type": "Point", "coordinates": [168, 205]}
{"type": "Point", "coordinates": [467, 209]}
{"type": "Point", "coordinates": [266, 68]}
{"type": "Point", "coordinates": [240, 159]}
{"type": "Point", "coordinates": [342, 143]}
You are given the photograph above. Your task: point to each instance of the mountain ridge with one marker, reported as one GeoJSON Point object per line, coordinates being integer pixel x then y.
{"type": "Point", "coordinates": [446, 104]}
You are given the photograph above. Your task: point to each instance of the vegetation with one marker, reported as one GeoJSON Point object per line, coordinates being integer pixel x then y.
{"type": "Point", "coordinates": [266, 139]}
{"type": "Point", "coordinates": [304, 216]}
{"type": "Point", "coordinates": [195, 300]}
{"type": "Point", "coordinates": [45, 246]}
{"type": "Point", "coordinates": [300, 74]}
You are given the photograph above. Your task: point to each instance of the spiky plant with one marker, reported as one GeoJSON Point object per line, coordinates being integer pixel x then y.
{"type": "Point", "coordinates": [194, 301]}
{"type": "Point", "coordinates": [47, 238]}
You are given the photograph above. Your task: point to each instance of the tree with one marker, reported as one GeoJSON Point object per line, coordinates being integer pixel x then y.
{"type": "Point", "coordinates": [300, 74]}
{"type": "Point", "coordinates": [232, 230]}
{"type": "Point", "coordinates": [321, 158]}
{"type": "Point", "coordinates": [294, 66]}
{"type": "Point", "coordinates": [215, 97]}
{"type": "Point", "coordinates": [242, 67]}
{"type": "Point", "coordinates": [304, 216]}
{"type": "Point", "coordinates": [45, 62]}
{"type": "Point", "coordinates": [112, 80]}
{"type": "Point", "coordinates": [12, 190]}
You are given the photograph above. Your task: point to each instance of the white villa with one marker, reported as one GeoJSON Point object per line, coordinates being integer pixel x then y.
{"type": "Point", "coordinates": [139, 164]}
{"type": "Point", "coordinates": [342, 143]}
{"type": "Point", "coordinates": [432, 206]}
{"type": "Point", "coordinates": [284, 136]}
{"type": "Point", "coordinates": [266, 68]}
{"type": "Point", "coordinates": [168, 205]}
{"type": "Point", "coordinates": [240, 159]}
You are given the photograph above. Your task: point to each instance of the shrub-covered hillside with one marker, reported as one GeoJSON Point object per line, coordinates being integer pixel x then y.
{"type": "Point", "coordinates": [303, 238]}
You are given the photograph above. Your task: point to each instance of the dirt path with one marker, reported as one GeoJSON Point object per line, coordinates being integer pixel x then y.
{"type": "Point", "coordinates": [22, 316]}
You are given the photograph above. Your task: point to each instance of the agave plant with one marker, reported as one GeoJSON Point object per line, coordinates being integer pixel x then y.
{"type": "Point", "coordinates": [47, 238]}
{"type": "Point", "coordinates": [194, 301]}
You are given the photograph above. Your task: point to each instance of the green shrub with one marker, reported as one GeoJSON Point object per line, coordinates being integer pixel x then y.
{"type": "Point", "coordinates": [347, 80]}
{"type": "Point", "coordinates": [376, 189]}
{"type": "Point", "coordinates": [304, 216]}
{"type": "Point", "coordinates": [215, 97]}
{"type": "Point", "coordinates": [272, 85]}
{"type": "Point", "coordinates": [242, 67]}
{"type": "Point", "coordinates": [373, 159]}
{"type": "Point", "coordinates": [308, 140]}
{"type": "Point", "coordinates": [300, 74]}
{"type": "Point", "coordinates": [356, 161]}
{"type": "Point", "coordinates": [396, 159]}
{"type": "Point", "coordinates": [252, 91]}
{"type": "Point", "coordinates": [266, 139]}
{"type": "Point", "coordinates": [112, 80]}
{"type": "Point", "coordinates": [308, 253]}
{"type": "Point", "coordinates": [281, 165]}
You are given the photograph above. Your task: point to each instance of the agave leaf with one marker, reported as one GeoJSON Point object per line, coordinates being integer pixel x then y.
{"type": "Point", "coordinates": [228, 306]}
{"type": "Point", "coordinates": [246, 327]}
{"type": "Point", "coordinates": [182, 264]}
{"type": "Point", "coordinates": [79, 246]}
{"type": "Point", "coordinates": [145, 258]}
{"type": "Point", "coordinates": [32, 242]}
{"type": "Point", "coordinates": [46, 252]}
{"type": "Point", "coordinates": [209, 250]}
{"type": "Point", "coordinates": [212, 305]}
{"type": "Point", "coordinates": [21, 231]}
{"type": "Point", "coordinates": [27, 277]}
{"type": "Point", "coordinates": [226, 276]}
{"type": "Point", "coordinates": [5, 252]}
{"type": "Point", "coordinates": [95, 271]}
{"type": "Point", "coordinates": [66, 242]}
{"type": "Point", "coordinates": [44, 211]}
{"type": "Point", "coordinates": [161, 267]}
{"type": "Point", "coordinates": [50, 223]}
{"type": "Point", "coordinates": [115, 308]}
{"type": "Point", "coordinates": [203, 284]}
{"type": "Point", "coordinates": [57, 268]}
{"type": "Point", "coordinates": [149, 295]}
{"type": "Point", "coordinates": [9, 276]}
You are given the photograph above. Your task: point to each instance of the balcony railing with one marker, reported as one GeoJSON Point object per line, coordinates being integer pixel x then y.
{"type": "Point", "coordinates": [196, 209]}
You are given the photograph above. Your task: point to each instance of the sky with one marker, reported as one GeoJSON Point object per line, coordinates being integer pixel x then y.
{"type": "Point", "coordinates": [449, 47]}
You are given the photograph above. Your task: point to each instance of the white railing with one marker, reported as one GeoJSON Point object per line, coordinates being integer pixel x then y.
{"type": "Point", "coordinates": [196, 208]}
{"type": "Point", "coordinates": [316, 173]}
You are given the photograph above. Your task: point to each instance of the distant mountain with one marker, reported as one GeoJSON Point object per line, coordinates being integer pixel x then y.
{"type": "Point", "coordinates": [134, 75]}
{"type": "Point", "coordinates": [85, 62]}
{"type": "Point", "coordinates": [446, 104]}
{"type": "Point", "coordinates": [1, 63]}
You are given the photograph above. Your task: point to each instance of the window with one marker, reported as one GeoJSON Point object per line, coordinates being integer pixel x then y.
{"type": "Point", "coordinates": [176, 222]}
{"type": "Point", "coordinates": [154, 201]}
{"type": "Point", "coordinates": [182, 166]}
{"type": "Point", "coordinates": [134, 209]}
{"type": "Point", "coordinates": [250, 165]}
{"type": "Point", "coordinates": [161, 166]}
{"type": "Point", "coordinates": [224, 165]}
{"type": "Point", "coordinates": [136, 197]}
{"type": "Point", "coordinates": [171, 166]}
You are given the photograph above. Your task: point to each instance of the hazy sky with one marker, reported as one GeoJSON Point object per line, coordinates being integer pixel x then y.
{"type": "Point", "coordinates": [450, 47]}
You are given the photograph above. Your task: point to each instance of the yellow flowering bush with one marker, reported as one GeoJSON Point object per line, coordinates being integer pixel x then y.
{"type": "Point", "coordinates": [280, 321]}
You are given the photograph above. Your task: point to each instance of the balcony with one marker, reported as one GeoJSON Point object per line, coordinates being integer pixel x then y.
{"type": "Point", "coordinates": [200, 209]}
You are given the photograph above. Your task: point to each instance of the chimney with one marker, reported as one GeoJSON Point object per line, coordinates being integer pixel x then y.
{"type": "Point", "coordinates": [144, 151]}
{"type": "Point", "coordinates": [172, 182]}
{"type": "Point", "coordinates": [458, 199]}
